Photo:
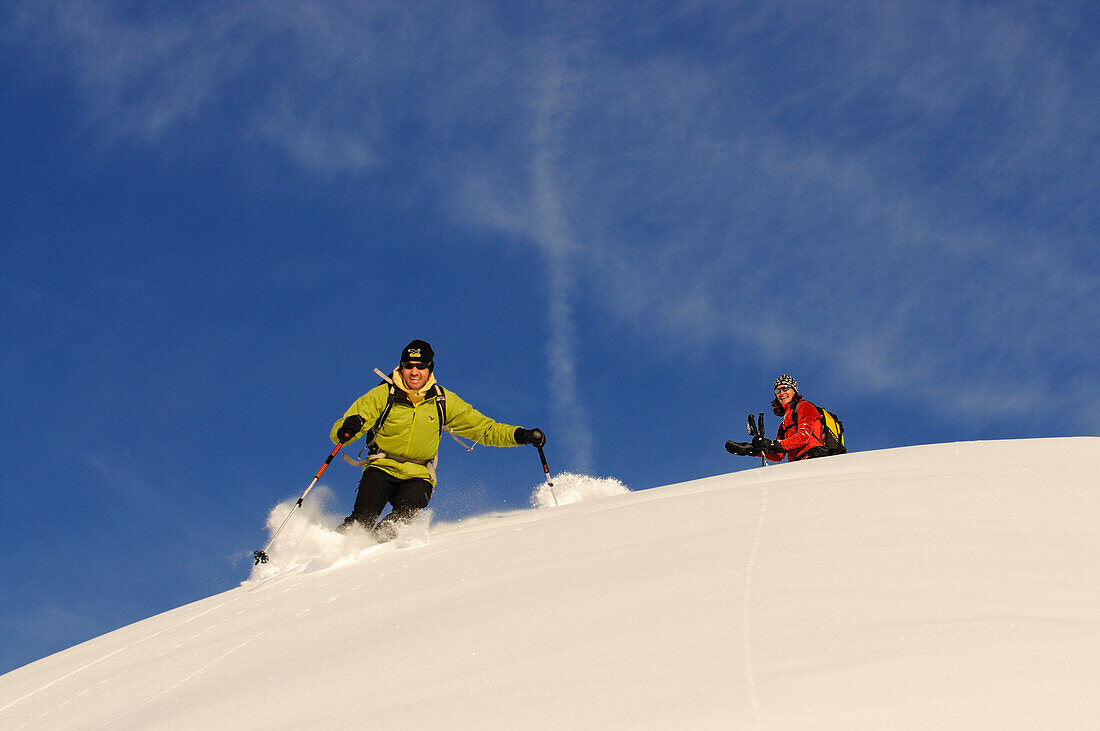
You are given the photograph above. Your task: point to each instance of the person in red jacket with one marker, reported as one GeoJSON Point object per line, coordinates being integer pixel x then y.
{"type": "Point", "coordinates": [799, 436]}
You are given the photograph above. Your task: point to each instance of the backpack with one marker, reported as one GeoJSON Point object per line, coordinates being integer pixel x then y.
{"type": "Point", "coordinates": [832, 429]}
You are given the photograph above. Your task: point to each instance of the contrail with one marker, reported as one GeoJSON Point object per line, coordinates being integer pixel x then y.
{"type": "Point", "coordinates": [551, 232]}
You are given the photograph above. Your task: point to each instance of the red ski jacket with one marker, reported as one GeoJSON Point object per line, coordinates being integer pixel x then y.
{"type": "Point", "coordinates": [806, 437]}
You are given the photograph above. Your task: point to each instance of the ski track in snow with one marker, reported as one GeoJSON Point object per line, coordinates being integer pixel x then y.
{"type": "Point", "coordinates": [261, 584]}
{"type": "Point", "coordinates": [120, 650]}
{"type": "Point", "coordinates": [194, 674]}
{"type": "Point", "coordinates": [746, 609]}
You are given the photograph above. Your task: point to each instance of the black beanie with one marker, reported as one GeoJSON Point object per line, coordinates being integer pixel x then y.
{"type": "Point", "coordinates": [421, 351]}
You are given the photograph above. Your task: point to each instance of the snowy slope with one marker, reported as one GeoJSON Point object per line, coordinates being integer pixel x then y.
{"type": "Point", "coordinates": [945, 586]}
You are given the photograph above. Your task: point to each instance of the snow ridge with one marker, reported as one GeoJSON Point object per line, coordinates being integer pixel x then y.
{"type": "Point", "coordinates": [922, 587]}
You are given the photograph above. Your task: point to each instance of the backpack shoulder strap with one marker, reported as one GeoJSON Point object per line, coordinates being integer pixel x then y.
{"type": "Point", "coordinates": [794, 419]}
{"type": "Point", "coordinates": [372, 433]}
{"type": "Point", "coordinates": [820, 413]}
{"type": "Point", "coordinates": [441, 405]}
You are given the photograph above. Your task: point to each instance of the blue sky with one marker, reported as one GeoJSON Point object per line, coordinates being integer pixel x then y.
{"type": "Point", "coordinates": [616, 221]}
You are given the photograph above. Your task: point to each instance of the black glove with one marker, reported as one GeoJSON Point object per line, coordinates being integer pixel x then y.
{"type": "Point", "coordinates": [763, 444]}
{"type": "Point", "coordinates": [349, 428]}
{"type": "Point", "coordinates": [534, 437]}
{"type": "Point", "coordinates": [741, 449]}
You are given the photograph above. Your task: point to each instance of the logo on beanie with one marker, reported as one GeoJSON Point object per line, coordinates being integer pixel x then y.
{"type": "Point", "coordinates": [418, 350]}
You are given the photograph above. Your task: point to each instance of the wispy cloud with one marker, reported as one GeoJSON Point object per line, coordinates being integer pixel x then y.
{"type": "Point", "coordinates": [555, 99]}
{"type": "Point", "coordinates": [330, 85]}
{"type": "Point", "coordinates": [119, 477]}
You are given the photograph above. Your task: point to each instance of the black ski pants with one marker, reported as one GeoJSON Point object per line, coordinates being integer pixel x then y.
{"type": "Point", "coordinates": [377, 489]}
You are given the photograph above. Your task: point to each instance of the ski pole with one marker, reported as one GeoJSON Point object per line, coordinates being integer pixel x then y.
{"type": "Point", "coordinates": [763, 459]}
{"type": "Point", "coordinates": [261, 556]}
{"type": "Point", "coordinates": [546, 469]}
{"type": "Point", "coordinates": [755, 431]}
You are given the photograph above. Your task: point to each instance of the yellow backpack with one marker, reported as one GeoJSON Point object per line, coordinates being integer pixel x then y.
{"type": "Point", "coordinates": [832, 430]}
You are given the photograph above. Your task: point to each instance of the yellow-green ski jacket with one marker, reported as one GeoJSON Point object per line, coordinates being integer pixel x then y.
{"type": "Point", "coordinates": [411, 431]}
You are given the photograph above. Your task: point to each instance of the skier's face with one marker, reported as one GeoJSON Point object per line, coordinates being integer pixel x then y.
{"type": "Point", "coordinates": [415, 375]}
{"type": "Point", "coordinates": [785, 394]}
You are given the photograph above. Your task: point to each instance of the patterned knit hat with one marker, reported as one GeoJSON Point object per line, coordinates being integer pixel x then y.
{"type": "Point", "coordinates": [786, 380]}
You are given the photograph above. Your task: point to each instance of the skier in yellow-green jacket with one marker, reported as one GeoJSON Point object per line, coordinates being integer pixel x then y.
{"type": "Point", "coordinates": [413, 410]}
